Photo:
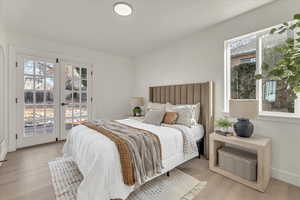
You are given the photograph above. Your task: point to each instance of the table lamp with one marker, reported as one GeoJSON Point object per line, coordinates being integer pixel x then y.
{"type": "Point", "coordinates": [136, 103]}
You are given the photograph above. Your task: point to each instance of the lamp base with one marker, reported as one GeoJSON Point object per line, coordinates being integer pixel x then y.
{"type": "Point", "coordinates": [243, 128]}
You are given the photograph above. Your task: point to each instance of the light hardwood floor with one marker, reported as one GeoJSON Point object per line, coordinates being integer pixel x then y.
{"type": "Point", "coordinates": [26, 177]}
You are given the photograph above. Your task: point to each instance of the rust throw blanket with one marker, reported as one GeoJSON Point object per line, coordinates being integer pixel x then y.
{"type": "Point", "coordinates": [140, 150]}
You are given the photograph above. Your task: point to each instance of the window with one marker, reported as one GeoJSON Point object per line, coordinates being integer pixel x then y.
{"type": "Point", "coordinates": [242, 72]}
{"type": "Point", "coordinates": [247, 55]}
{"type": "Point", "coordinates": [276, 97]}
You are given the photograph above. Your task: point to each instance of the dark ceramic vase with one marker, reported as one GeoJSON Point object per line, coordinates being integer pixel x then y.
{"type": "Point", "coordinates": [243, 128]}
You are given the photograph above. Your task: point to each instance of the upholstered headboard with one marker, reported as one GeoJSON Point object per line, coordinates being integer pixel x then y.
{"type": "Point", "coordinates": [190, 94]}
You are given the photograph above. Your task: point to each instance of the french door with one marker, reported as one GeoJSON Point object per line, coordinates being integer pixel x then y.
{"type": "Point", "coordinates": [52, 98]}
{"type": "Point", "coordinates": [75, 95]}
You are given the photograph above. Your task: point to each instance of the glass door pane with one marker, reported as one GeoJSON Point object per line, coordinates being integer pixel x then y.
{"type": "Point", "coordinates": [74, 96]}
{"type": "Point", "coordinates": [37, 101]}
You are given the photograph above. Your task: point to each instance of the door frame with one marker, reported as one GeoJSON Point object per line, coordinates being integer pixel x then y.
{"type": "Point", "coordinates": [13, 51]}
{"type": "Point", "coordinates": [46, 138]}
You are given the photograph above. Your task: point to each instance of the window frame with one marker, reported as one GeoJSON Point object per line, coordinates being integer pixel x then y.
{"type": "Point", "coordinates": [259, 85]}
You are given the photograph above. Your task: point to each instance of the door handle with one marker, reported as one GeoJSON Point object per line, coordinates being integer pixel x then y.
{"type": "Point", "coordinates": [64, 104]}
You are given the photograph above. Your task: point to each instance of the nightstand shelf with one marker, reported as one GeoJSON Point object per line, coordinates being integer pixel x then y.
{"type": "Point", "coordinates": [262, 147]}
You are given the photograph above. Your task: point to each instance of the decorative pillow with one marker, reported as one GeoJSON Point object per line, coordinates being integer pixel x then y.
{"type": "Point", "coordinates": [155, 106]}
{"type": "Point", "coordinates": [154, 117]}
{"type": "Point", "coordinates": [170, 118]}
{"type": "Point", "coordinates": [185, 117]}
{"type": "Point", "coordinates": [197, 112]}
{"type": "Point", "coordinates": [192, 111]}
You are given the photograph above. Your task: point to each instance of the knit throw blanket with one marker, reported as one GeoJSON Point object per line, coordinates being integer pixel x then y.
{"type": "Point", "coordinates": [140, 150]}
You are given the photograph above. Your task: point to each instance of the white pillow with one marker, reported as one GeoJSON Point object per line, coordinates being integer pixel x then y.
{"type": "Point", "coordinates": [154, 117]}
{"type": "Point", "coordinates": [190, 113]}
{"type": "Point", "coordinates": [155, 106]}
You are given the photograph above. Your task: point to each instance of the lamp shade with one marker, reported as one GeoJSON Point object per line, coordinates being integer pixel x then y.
{"type": "Point", "coordinates": [137, 101]}
{"type": "Point", "coordinates": [243, 108]}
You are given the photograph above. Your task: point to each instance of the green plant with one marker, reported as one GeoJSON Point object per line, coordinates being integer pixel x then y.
{"type": "Point", "coordinates": [223, 123]}
{"type": "Point", "coordinates": [287, 69]}
{"type": "Point", "coordinates": [137, 111]}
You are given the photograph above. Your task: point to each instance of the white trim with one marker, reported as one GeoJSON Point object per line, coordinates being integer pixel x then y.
{"type": "Point", "coordinates": [12, 145]}
{"type": "Point", "coordinates": [287, 119]}
{"type": "Point", "coordinates": [285, 176]}
{"type": "Point", "coordinates": [259, 94]}
{"type": "Point", "coordinates": [3, 150]}
{"type": "Point", "coordinates": [2, 97]}
{"type": "Point", "coordinates": [6, 95]}
{"type": "Point", "coordinates": [227, 62]}
{"type": "Point", "coordinates": [281, 118]}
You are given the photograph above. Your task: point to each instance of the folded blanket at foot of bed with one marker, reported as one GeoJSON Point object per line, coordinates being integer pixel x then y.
{"type": "Point", "coordinates": [140, 150]}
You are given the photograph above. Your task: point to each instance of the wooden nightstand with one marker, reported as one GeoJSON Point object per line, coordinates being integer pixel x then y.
{"type": "Point", "coordinates": [141, 118]}
{"type": "Point", "coordinates": [261, 145]}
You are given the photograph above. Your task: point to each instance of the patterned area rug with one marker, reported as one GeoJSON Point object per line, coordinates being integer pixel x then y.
{"type": "Point", "coordinates": [179, 186]}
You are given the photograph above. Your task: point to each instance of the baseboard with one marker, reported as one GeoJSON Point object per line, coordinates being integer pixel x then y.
{"type": "Point", "coordinates": [285, 176]}
{"type": "Point", "coordinates": [3, 150]}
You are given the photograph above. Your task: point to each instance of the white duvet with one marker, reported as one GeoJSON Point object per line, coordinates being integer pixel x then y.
{"type": "Point", "coordinates": [98, 159]}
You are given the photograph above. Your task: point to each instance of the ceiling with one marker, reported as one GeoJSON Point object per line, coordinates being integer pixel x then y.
{"type": "Point", "coordinates": [93, 24]}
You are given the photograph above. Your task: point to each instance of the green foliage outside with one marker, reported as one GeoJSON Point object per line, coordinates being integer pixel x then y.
{"type": "Point", "coordinates": [284, 95]}
{"type": "Point", "coordinates": [243, 82]}
{"type": "Point", "coordinates": [287, 69]}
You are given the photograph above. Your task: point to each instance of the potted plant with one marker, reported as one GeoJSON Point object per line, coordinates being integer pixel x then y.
{"type": "Point", "coordinates": [137, 111]}
{"type": "Point", "coordinates": [224, 124]}
{"type": "Point", "coordinates": [287, 69]}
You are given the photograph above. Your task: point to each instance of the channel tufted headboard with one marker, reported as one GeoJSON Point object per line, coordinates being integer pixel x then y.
{"type": "Point", "coordinates": [190, 94]}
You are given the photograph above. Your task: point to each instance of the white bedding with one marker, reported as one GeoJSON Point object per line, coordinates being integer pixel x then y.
{"type": "Point", "coordinates": [196, 130]}
{"type": "Point", "coordinates": [98, 159]}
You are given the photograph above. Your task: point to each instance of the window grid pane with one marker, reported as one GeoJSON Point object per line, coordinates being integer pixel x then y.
{"type": "Point", "coordinates": [243, 67]}
{"type": "Point", "coordinates": [277, 97]}
{"type": "Point", "coordinates": [36, 114]}
{"type": "Point", "coordinates": [75, 85]}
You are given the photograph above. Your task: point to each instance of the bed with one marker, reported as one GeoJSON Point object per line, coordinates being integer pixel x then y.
{"type": "Point", "coordinates": [98, 159]}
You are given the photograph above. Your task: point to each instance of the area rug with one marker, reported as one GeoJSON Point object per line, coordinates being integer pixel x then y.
{"type": "Point", "coordinates": [178, 186]}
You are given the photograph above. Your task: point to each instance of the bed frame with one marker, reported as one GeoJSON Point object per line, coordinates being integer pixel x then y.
{"type": "Point", "coordinates": [190, 94]}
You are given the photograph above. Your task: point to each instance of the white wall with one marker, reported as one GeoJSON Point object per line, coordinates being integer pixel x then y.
{"type": "Point", "coordinates": [1, 79]}
{"type": "Point", "coordinates": [200, 57]}
{"type": "Point", "coordinates": [114, 76]}
{"type": "Point", "coordinates": [3, 90]}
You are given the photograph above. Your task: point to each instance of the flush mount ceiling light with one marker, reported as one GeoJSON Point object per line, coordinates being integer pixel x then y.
{"type": "Point", "coordinates": [123, 9]}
